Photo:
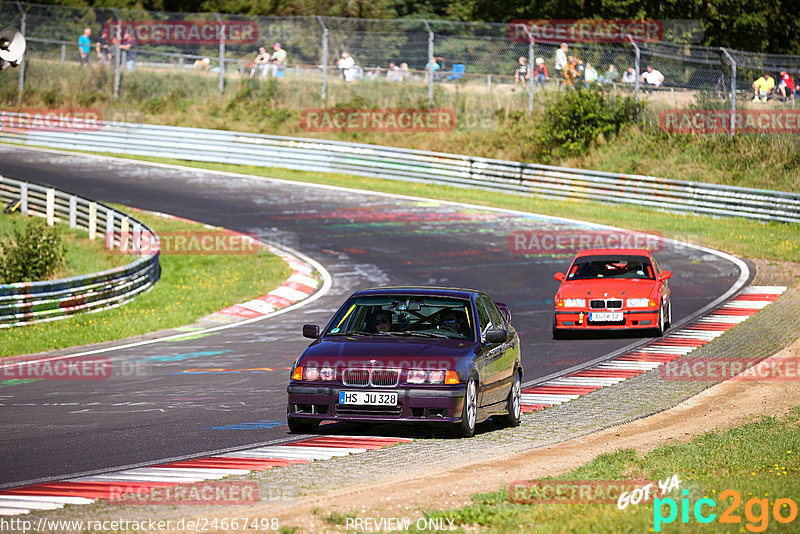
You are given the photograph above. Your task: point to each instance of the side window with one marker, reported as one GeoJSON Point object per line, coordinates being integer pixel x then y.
{"type": "Point", "coordinates": [494, 313]}
{"type": "Point", "coordinates": [483, 314]}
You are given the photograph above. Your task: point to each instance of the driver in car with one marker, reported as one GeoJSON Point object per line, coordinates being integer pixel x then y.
{"type": "Point", "coordinates": [383, 321]}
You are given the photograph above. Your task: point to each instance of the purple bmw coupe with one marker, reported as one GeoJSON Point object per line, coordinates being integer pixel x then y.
{"type": "Point", "coordinates": [410, 355]}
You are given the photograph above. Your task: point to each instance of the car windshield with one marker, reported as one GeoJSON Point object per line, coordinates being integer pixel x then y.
{"type": "Point", "coordinates": [592, 267]}
{"type": "Point", "coordinates": [404, 315]}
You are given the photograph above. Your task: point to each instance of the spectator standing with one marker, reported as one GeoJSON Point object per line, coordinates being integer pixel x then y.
{"type": "Point", "coordinates": [540, 73]}
{"type": "Point", "coordinates": [103, 48]}
{"type": "Point", "coordinates": [129, 45]}
{"type": "Point", "coordinates": [404, 71]}
{"type": "Point", "coordinates": [652, 78]}
{"type": "Point", "coordinates": [277, 61]}
{"type": "Point", "coordinates": [763, 87]}
{"type": "Point", "coordinates": [522, 74]}
{"type": "Point", "coordinates": [786, 85]}
{"type": "Point", "coordinates": [629, 76]}
{"type": "Point", "coordinates": [85, 46]}
{"type": "Point", "coordinates": [561, 59]}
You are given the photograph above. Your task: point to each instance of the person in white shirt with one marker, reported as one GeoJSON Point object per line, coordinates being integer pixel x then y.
{"type": "Point", "coordinates": [347, 66]}
{"type": "Point", "coordinates": [561, 59]}
{"type": "Point", "coordinates": [629, 76]}
{"type": "Point", "coordinates": [652, 77]}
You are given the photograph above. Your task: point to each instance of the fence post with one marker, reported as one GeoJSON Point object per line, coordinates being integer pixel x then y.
{"type": "Point", "coordinates": [637, 53]}
{"type": "Point", "coordinates": [733, 91]}
{"type": "Point", "coordinates": [117, 53]}
{"type": "Point", "coordinates": [21, 83]}
{"type": "Point", "coordinates": [324, 94]}
{"type": "Point", "coordinates": [50, 207]}
{"type": "Point", "coordinates": [109, 228]}
{"type": "Point", "coordinates": [489, 83]}
{"type": "Point", "coordinates": [430, 63]}
{"type": "Point", "coordinates": [92, 220]}
{"type": "Point", "coordinates": [221, 82]}
{"type": "Point", "coordinates": [63, 54]}
{"type": "Point", "coordinates": [23, 198]}
{"type": "Point", "coordinates": [73, 211]}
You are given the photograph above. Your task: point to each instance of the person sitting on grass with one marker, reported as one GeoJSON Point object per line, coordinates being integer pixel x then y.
{"type": "Point", "coordinates": [762, 87]}
{"type": "Point", "coordinates": [522, 74]}
{"type": "Point", "coordinates": [786, 86]}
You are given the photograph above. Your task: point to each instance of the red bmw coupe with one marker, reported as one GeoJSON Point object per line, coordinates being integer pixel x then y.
{"type": "Point", "coordinates": [612, 289]}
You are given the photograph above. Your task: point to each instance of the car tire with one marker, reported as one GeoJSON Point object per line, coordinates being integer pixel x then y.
{"type": "Point", "coordinates": [469, 411]}
{"type": "Point", "coordinates": [302, 426]}
{"type": "Point", "coordinates": [513, 405]}
{"type": "Point", "coordinates": [662, 326]}
{"type": "Point", "coordinates": [669, 315]}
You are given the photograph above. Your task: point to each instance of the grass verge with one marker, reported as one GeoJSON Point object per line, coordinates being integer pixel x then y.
{"type": "Point", "coordinates": [752, 239]}
{"type": "Point", "coordinates": [82, 255]}
{"type": "Point", "coordinates": [760, 460]}
{"type": "Point", "coordinates": [191, 286]}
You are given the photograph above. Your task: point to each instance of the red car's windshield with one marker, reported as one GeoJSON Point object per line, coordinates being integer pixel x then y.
{"type": "Point", "coordinates": [596, 267]}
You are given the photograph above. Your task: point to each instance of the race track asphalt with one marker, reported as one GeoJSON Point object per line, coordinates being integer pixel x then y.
{"type": "Point", "coordinates": [59, 428]}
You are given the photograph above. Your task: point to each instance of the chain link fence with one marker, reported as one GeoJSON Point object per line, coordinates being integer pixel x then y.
{"type": "Point", "coordinates": [348, 62]}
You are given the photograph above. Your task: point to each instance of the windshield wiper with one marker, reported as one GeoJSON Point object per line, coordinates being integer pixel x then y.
{"type": "Point", "coordinates": [420, 334]}
{"type": "Point", "coordinates": [358, 333]}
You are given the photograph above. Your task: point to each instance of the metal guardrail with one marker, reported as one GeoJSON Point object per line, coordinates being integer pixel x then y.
{"type": "Point", "coordinates": [422, 166]}
{"type": "Point", "coordinates": [28, 302]}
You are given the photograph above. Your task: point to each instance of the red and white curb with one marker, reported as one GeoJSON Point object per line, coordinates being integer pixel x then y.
{"type": "Point", "coordinates": [88, 489]}
{"type": "Point", "coordinates": [653, 355]}
{"type": "Point", "coordinates": [299, 286]}
{"type": "Point", "coordinates": [305, 279]}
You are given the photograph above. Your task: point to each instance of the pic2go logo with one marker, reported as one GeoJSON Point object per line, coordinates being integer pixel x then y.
{"type": "Point", "coordinates": [756, 511]}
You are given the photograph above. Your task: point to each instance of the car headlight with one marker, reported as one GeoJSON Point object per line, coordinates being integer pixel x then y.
{"type": "Point", "coordinates": [637, 303]}
{"type": "Point", "coordinates": [416, 376]}
{"type": "Point", "coordinates": [313, 373]}
{"type": "Point", "coordinates": [436, 377]}
{"type": "Point", "coordinates": [575, 303]}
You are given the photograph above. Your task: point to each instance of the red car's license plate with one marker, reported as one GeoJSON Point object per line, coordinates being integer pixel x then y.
{"type": "Point", "coordinates": [368, 398]}
{"type": "Point", "coordinates": [605, 317]}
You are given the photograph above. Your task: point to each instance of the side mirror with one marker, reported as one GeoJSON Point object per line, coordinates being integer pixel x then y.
{"type": "Point", "coordinates": [664, 275]}
{"type": "Point", "coordinates": [560, 277]}
{"type": "Point", "coordinates": [311, 331]}
{"type": "Point", "coordinates": [496, 335]}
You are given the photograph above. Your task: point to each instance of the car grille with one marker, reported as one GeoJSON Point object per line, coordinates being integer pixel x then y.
{"type": "Point", "coordinates": [610, 304]}
{"type": "Point", "coordinates": [373, 377]}
{"type": "Point", "coordinates": [388, 411]}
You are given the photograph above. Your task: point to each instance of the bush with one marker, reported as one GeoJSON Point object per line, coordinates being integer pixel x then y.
{"type": "Point", "coordinates": [575, 119]}
{"type": "Point", "coordinates": [35, 252]}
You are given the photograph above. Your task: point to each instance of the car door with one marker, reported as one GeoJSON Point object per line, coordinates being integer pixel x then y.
{"type": "Point", "coordinates": [502, 356]}
{"type": "Point", "coordinates": [484, 358]}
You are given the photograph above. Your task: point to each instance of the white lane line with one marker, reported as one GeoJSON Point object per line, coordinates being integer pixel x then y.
{"type": "Point", "coordinates": [729, 319]}
{"type": "Point", "coordinates": [766, 290]}
{"type": "Point", "coordinates": [208, 473]}
{"type": "Point", "coordinates": [542, 398]}
{"type": "Point", "coordinates": [330, 451]}
{"type": "Point", "coordinates": [667, 350]}
{"type": "Point", "coordinates": [29, 505]}
{"type": "Point", "coordinates": [14, 511]}
{"type": "Point", "coordinates": [625, 366]}
{"type": "Point", "coordinates": [280, 455]}
{"type": "Point", "coordinates": [47, 498]}
{"type": "Point", "coordinates": [138, 478]}
{"type": "Point", "coordinates": [748, 304]}
{"type": "Point", "coordinates": [584, 381]}
{"type": "Point", "coordinates": [225, 471]}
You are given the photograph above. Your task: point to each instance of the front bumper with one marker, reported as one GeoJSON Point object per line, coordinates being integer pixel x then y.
{"type": "Point", "coordinates": [578, 320]}
{"type": "Point", "coordinates": [437, 404]}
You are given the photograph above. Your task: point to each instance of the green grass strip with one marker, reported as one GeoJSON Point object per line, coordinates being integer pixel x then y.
{"type": "Point", "coordinates": [191, 286]}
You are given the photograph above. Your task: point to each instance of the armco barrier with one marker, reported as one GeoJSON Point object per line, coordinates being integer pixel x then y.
{"type": "Point", "coordinates": [28, 302]}
{"type": "Point", "coordinates": [416, 165]}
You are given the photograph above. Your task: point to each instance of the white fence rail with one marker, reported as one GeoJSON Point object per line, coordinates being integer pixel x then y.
{"type": "Point", "coordinates": [28, 302]}
{"type": "Point", "coordinates": [416, 165]}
